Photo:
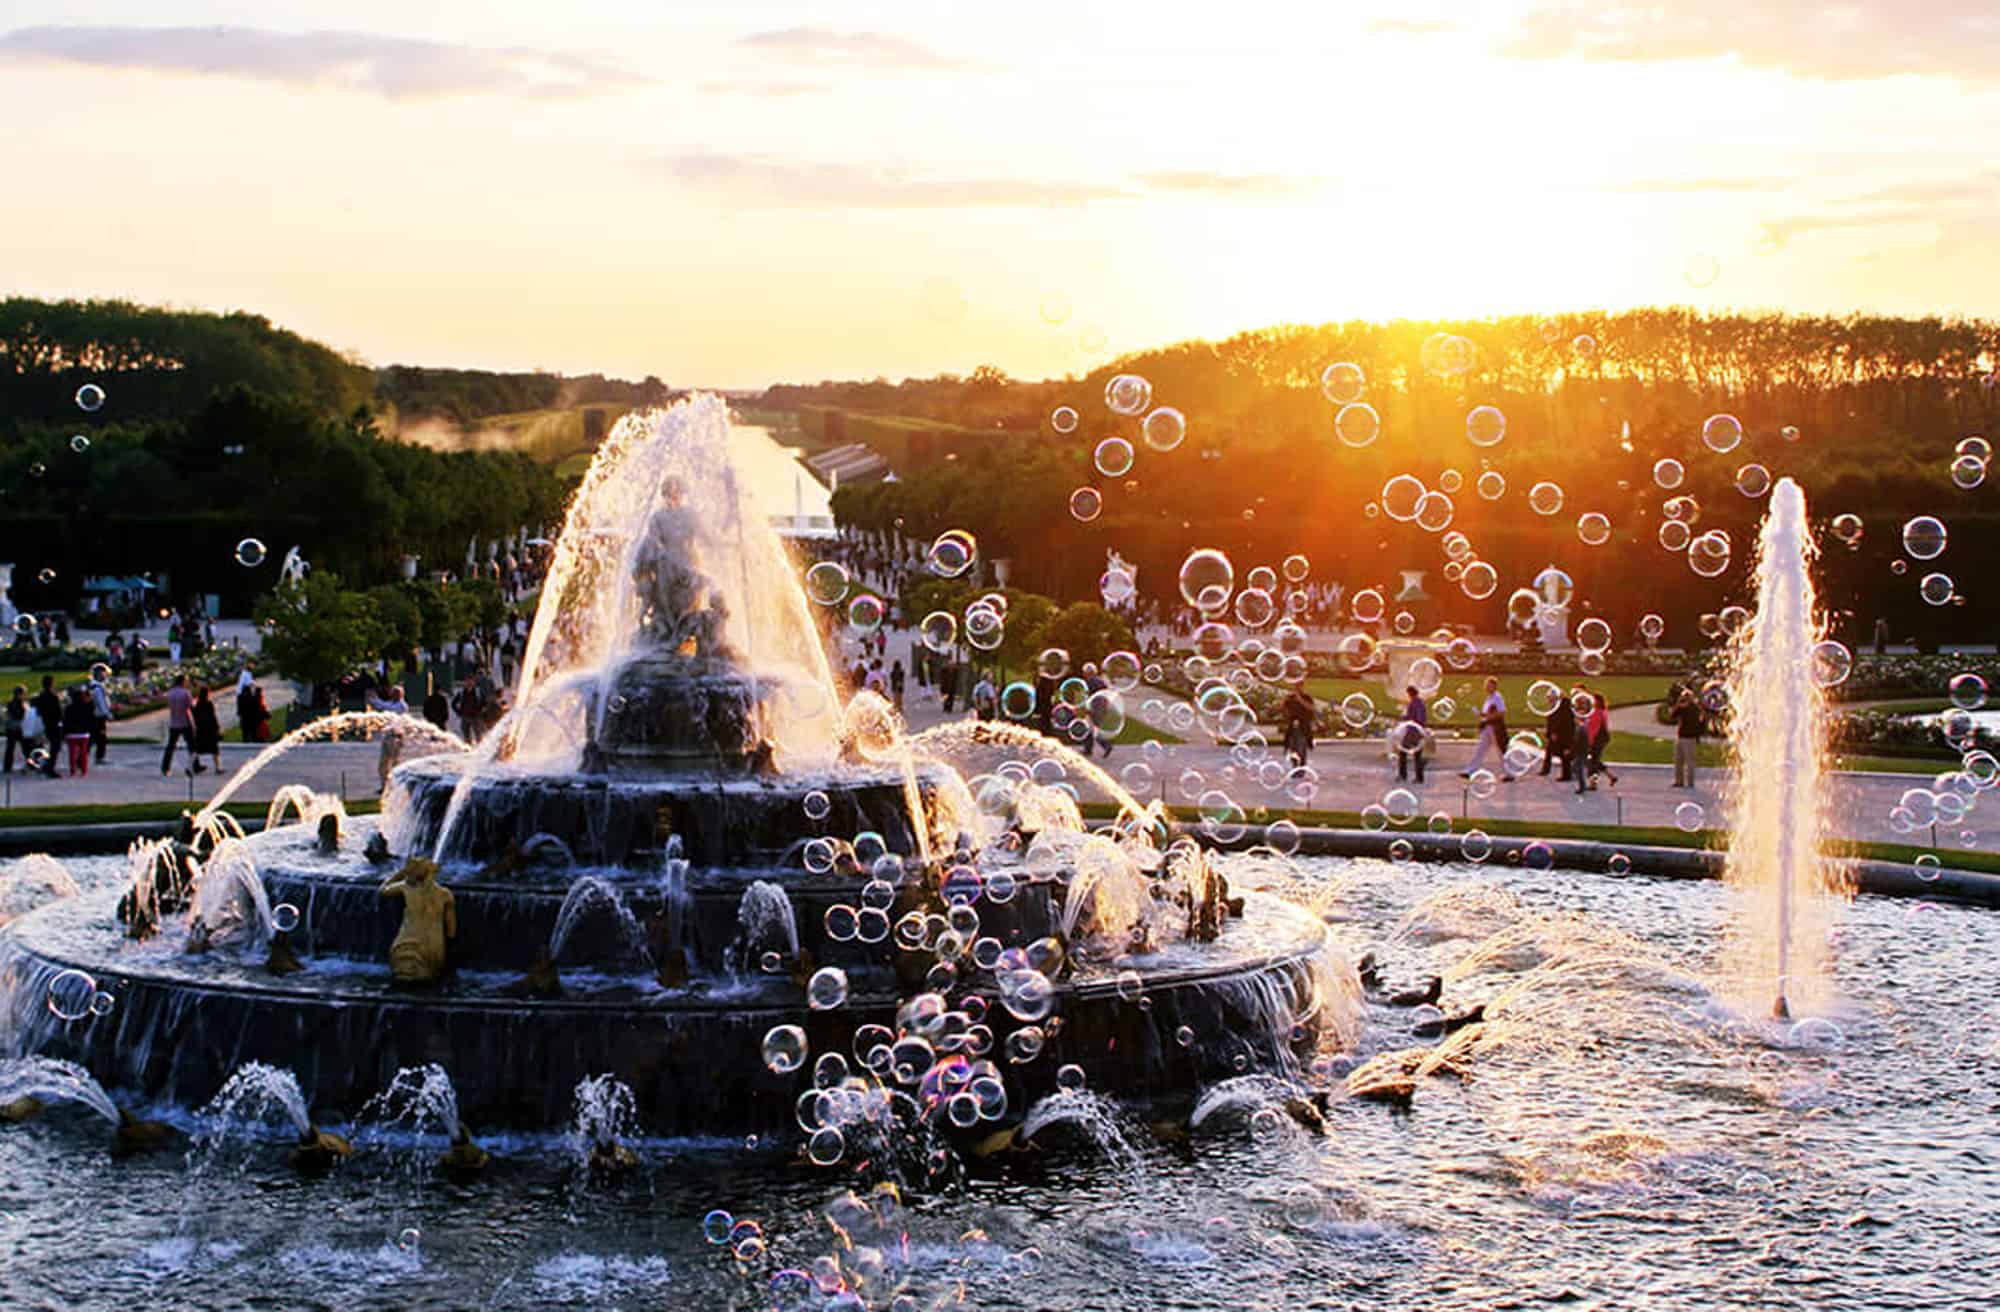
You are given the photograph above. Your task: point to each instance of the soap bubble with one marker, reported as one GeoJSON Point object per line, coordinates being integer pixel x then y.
{"type": "Point", "coordinates": [1479, 581]}
{"type": "Point", "coordinates": [103, 1004]}
{"type": "Point", "coordinates": [1668, 473]}
{"type": "Point", "coordinates": [1357, 425]}
{"type": "Point", "coordinates": [1474, 845]}
{"type": "Point", "coordinates": [826, 1146]}
{"type": "Point", "coordinates": [784, 1048]}
{"type": "Point", "coordinates": [1366, 606]}
{"type": "Point", "coordinates": [952, 553]}
{"type": "Point", "coordinates": [1937, 589]}
{"type": "Point", "coordinates": [1461, 653]}
{"type": "Point", "coordinates": [90, 398]}
{"type": "Point", "coordinates": [1254, 608]}
{"type": "Point", "coordinates": [939, 630]}
{"type": "Point", "coordinates": [1847, 528]}
{"type": "Point", "coordinates": [1651, 627]}
{"type": "Point", "coordinates": [1085, 504]}
{"type": "Point", "coordinates": [1967, 691]}
{"type": "Point", "coordinates": [1702, 270]}
{"type": "Point", "coordinates": [1492, 485]}
{"type": "Point", "coordinates": [1594, 529]}
{"type": "Point", "coordinates": [1831, 663]}
{"type": "Point", "coordinates": [1753, 480]}
{"type": "Point", "coordinates": [1063, 419]}
{"type": "Point", "coordinates": [1898, 567]}
{"type": "Point", "coordinates": [1618, 864]}
{"type": "Point", "coordinates": [1113, 457]}
{"type": "Point", "coordinates": [1434, 511]}
{"type": "Point", "coordinates": [1545, 498]}
{"type": "Point", "coordinates": [1401, 804]}
{"type": "Point", "coordinates": [1688, 817]}
{"type": "Point", "coordinates": [251, 553]}
{"type": "Point", "coordinates": [1538, 855]}
{"type": "Point", "coordinates": [1543, 697]}
{"type": "Point", "coordinates": [1450, 481]}
{"type": "Point", "coordinates": [80, 444]}
{"type": "Point", "coordinates": [1400, 496]}
{"type": "Point", "coordinates": [1675, 535]}
{"type": "Point", "coordinates": [1447, 354]}
{"type": "Point", "coordinates": [1401, 850]}
{"type": "Point", "coordinates": [1374, 817]}
{"type": "Point", "coordinates": [1594, 634]}
{"type": "Point", "coordinates": [1722, 432]}
{"type": "Point", "coordinates": [1708, 555]}
{"type": "Point", "coordinates": [1357, 709]}
{"type": "Point", "coordinates": [865, 612]}
{"type": "Point", "coordinates": [826, 581]}
{"type": "Point", "coordinates": [284, 917]}
{"type": "Point", "coordinates": [1296, 568]}
{"type": "Point", "coordinates": [1924, 538]}
{"type": "Point", "coordinates": [1485, 425]}
{"type": "Point", "coordinates": [827, 988]}
{"type": "Point", "coordinates": [1483, 784]}
{"type": "Point", "coordinates": [1070, 1078]}
{"type": "Point", "coordinates": [1584, 345]}
{"type": "Point", "coordinates": [1343, 382]}
{"type": "Point", "coordinates": [1164, 429]}
{"type": "Point", "coordinates": [1207, 579]}
{"type": "Point", "coordinates": [45, 575]}
{"type": "Point", "coordinates": [817, 805]}
{"type": "Point", "coordinates": [1053, 662]}
{"type": "Point", "coordinates": [70, 995]}
{"type": "Point", "coordinates": [1975, 446]}
{"type": "Point", "coordinates": [1127, 394]}
{"type": "Point", "coordinates": [1968, 471]}
{"type": "Point", "coordinates": [409, 1239]}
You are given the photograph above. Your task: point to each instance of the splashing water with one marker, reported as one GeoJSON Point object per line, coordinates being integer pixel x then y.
{"type": "Point", "coordinates": [605, 1114]}
{"type": "Point", "coordinates": [254, 1095]}
{"type": "Point", "coordinates": [420, 737]}
{"type": "Point", "coordinates": [50, 1080]}
{"type": "Point", "coordinates": [1777, 726]}
{"type": "Point", "coordinates": [230, 899]}
{"type": "Point", "coordinates": [590, 895]}
{"type": "Point", "coordinates": [31, 881]}
{"type": "Point", "coordinates": [304, 804]}
{"type": "Point", "coordinates": [765, 922]}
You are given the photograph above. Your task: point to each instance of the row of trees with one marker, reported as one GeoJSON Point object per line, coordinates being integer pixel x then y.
{"type": "Point", "coordinates": [318, 630]}
{"type": "Point", "coordinates": [464, 396]}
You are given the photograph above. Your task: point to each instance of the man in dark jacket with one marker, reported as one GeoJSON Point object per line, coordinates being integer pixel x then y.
{"type": "Point", "coordinates": [50, 708]}
{"type": "Point", "coordinates": [1560, 728]}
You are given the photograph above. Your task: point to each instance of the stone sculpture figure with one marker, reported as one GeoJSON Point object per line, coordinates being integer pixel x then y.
{"type": "Point", "coordinates": [681, 608]}
{"type": "Point", "coordinates": [430, 921]}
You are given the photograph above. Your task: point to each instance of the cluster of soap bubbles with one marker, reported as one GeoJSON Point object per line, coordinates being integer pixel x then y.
{"type": "Point", "coordinates": [1968, 462]}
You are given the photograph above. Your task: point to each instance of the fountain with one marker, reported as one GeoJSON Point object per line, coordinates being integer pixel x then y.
{"type": "Point", "coordinates": [722, 855]}
{"type": "Point", "coordinates": [1777, 712]}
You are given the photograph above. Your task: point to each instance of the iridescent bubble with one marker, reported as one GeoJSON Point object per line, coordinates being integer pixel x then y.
{"type": "Point", "coordinates": [1545, 498]}
{"type": "Point", "coordinates": [1708, 555]}
{"type": "Point", "coordinates": [1594, 634]}
{"type": "Point", "coordinates": [1538, 855]}
{"type": "Point", "coordinates": [1127, 394]}
{"type": "Point", "coordinates": [1668, 473]}
{"type": "Point", "coordinates": [1722, 432]}
{"type": "Point", "coordinates": [1343, 382]}
{"type": "Point", "coordinates": [1357, 425]}
{"type": "Point", "coordinates": [1492, 485]}
{"type": "Point", "coordinates": [1937, 589]}
{"type": "Point", "coordinates": [284, 917]}
{"type": "Point", "coordinates": [865, 612]}
{"type": "Point", "coordinates": [952, 553]}
{"type": "Point", "coordinates": [1474, 845]}
{"type": "Point", "coordinates": [1651, 627]}
{"type": "Point", "coordinates": [1967, 691]}
{"type": "Point", "coordinates": [1113, 457]}
{"type": "Point", "coordinates": [1401, 850]}
{"type": "Point", "coordinates": [1831, 662]}
{"type": "Point", "coordinates": [1790, 432]}
{"type": "Point", "coordinates": [251, 553]}
{"type": "Point", "coordinates": [1434, 512]}
{"type": "Point", "coordinates": [1447, 354]}
{"type": "Point", "coordinates": [816, 804]}
{"type": "Point", "coordinates": [1063, 419]}
{"type": "Point", "coordinates": [1052, 663]}
{"type": "Point", "coordinates": [826, 1146]}
{"type": "Point", "coordinates": [70, 995]}
{"type": "Point", "coordinates": [1593, 529]}
{"type": "Point", "coordinates": [1675, 534]}
{"type": "Point", "coordinates": [784, 1050]}
{"type": "Point", "coordinates": [1618, 864]}
{"type": "Point", "coordinates": [1847, 528]}
{"type": "Point", "coordinates": [1357, 709]}
{"type": "Point", "coordinates": [827, 582]}
{"type": "Point", "coordinates": [1702, 270]}
{"type": "Point", "coordinates": [1753, 480]}
{"type": "Point", "coordinates": [1085, 504]}
{"type": "Point", "coordinates": [939, 631]}
{"type": "Point", "coordinates": [1400, 496]}
{"type": "Point", "coordinates": [90, 398]}
{"type": "Point", "coordinates": [827, 989]}
{"type": "Point", "coordinates": [1584, 345]}
{"type": "Point", "coordinates": [1924, 537]}
{"type": "Point", "coordinates": [1479, 581]}
{"type": "Point", "coordinates": [80, 444]}
{"type": "Point", "coordinates": [1485, 425]}
{"type": "Point", "coordinates": [1164, 429]}
{"type": "Point", "coordinates": [1977, 447]}
{"type": "Point", "coordinates": [1688, 817]}
{"type": "Point", "coordinates": [1366, 606]}
{"type": "Point", "coordinates": [1460, 653]}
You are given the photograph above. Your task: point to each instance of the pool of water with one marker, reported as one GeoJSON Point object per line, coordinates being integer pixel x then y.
{"type": "Point", "coordinates": [1618, 1136]}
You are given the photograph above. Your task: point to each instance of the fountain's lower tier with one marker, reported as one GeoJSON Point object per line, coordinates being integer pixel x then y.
{"type": "Point", "coordinates": [176, 1026]}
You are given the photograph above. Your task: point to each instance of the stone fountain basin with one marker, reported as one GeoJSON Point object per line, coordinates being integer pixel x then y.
{"type": "Point", "coordinates": [181, 1024]}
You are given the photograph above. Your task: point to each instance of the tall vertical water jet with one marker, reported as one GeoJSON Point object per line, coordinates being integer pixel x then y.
{"type": "Point", "coordinates": [1776, 728]}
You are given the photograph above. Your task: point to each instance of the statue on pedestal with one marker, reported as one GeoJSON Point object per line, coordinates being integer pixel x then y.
{"type": "Point", "coordinates": [429, 922]}
{"type": "Point", "coordinates": [682, 609]}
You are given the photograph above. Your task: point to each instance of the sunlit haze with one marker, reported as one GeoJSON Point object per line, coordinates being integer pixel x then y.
{"type": "Point", "coordinates": [728, 195]}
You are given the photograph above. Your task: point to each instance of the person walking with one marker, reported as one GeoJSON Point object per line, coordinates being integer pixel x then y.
{"type": "Point", "coordinates": [17, 734]}
{"type": "Point", "coordinates": [896, 679]}
{"type": "Point", "coordinates": [1492, 734]}
{"type": "Point", "coordinates": [49, 709]}
{"type": "Point", "coordinates": [985, 697]}
{"type": "Point", "coordinates": [255, 716]}
{"type": "Point", "coordinates": [207, 728]}
{"type": "Point", "coordinates": [1596, 735]}
{"type": "Point", "coordinates": [1687, 737]}
{"type": "Point", "coordinates": [100, 710]}
{"type": "Point", "coordinates": [392, 703]}
{"type": "Point", "coordinates": [1559, 729]}
{"type": "Point", "coordinates": [1093, 683]}
{"type": "Point", "coordinates": [77, 716]}
{"type": "Point", "coordinates": [437, 707]}
{"type": "Point", "coordinates": [1296, 714]}
{"type": "Point", "coordinates": [180, 726]}
{"type": "Point", "coordinates": [174, 641]}
{"type": "Point", "coordinates": [1410, 734]}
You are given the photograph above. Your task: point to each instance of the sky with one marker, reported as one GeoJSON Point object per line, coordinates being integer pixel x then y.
{"type": "Point", "coordinates": [731, 194]}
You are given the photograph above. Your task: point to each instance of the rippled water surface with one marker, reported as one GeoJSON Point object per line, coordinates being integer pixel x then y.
{"type": "Point", "coordinates": [1618, 1138]}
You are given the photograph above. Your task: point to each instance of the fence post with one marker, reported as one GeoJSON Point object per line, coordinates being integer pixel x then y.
{"type": "Point", "coordinates": [1465, 802]}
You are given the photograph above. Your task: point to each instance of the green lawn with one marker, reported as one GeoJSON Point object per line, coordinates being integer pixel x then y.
{"type": "Point", "coordinates": [1928, 706]}
{"type": "Point", "coordinates": [1470, 690]}
{"type": "Point", "coordinates": [11, 675]}
{"type": "Point", "coordinates": [1138, 731]}
{"type": "Point", "coordinates": [134, 812]}
{"type": "Point", "coordinates": [1638, 749]}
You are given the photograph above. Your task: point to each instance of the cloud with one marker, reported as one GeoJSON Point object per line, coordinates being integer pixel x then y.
{"type": "Point", "coordinates": [1673, 186]}
{"type": "Point", "coordinates": [821, 45]}
{"type": "Point", "coordinates": [767, 88]}
{"type": "Point", "coordinates": [1858, 39]}
{"type": "Point", "coordinates": [391, 66]}
{"type": "Point", "coordinates": [1950, 203]}
{"type": "Point", "coordinates": [1230, 184]}
{"type": "Point", "coordinates": [761, 180]}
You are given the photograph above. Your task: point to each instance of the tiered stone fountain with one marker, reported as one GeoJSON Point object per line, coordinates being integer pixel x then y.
{"type": "Point", "coordinates": [677, 835]}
